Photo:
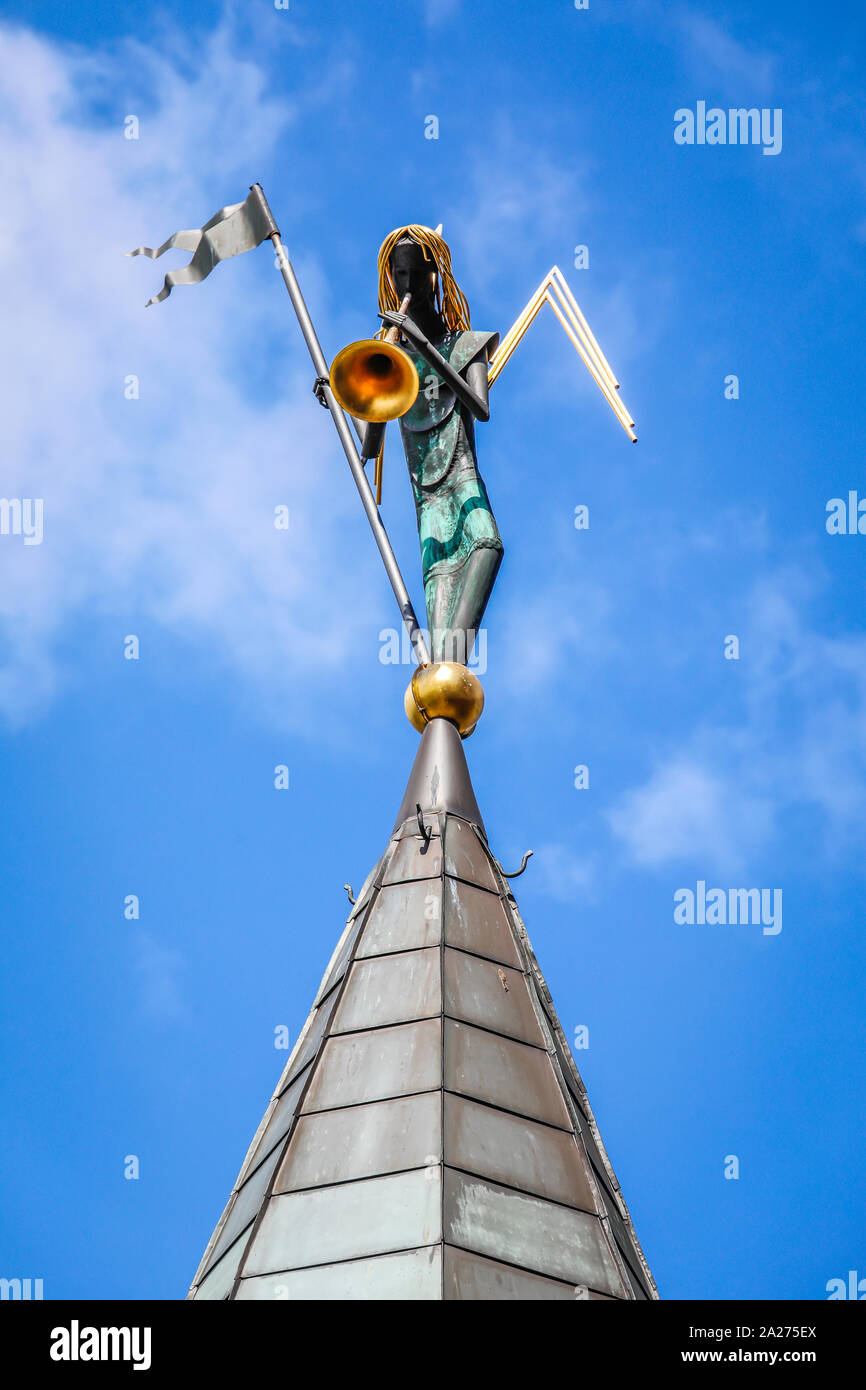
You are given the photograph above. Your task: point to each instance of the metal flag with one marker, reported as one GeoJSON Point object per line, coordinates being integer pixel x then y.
{"type": "Point", "coordinates": [242, 227]}
{"type": "Point", "coordinates": [239, 227]}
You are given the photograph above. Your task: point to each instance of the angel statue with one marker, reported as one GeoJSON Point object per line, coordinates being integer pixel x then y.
{"type": "Point", "coordinates": [446, 369]}
{"type": "Point", "coordinates": [461, 549]}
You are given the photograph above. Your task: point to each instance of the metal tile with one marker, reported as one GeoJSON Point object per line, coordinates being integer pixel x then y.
{"type": "Point", "coordinates": [218, 1282]}
{"type": "Point", "coordinates": [362, 1142]}
{"type": "Point", "coordinates": [408, 1277]}
{"type": "Point", "coordinates": [465, 856]}
{"type": "Point", "coordinates": [374, 1066]}
{"type": "Point", "coordinates": [497, 997]}
{"type": "Point", "coordinates": [279, 1123]}
{"type": "Point", "coordinates": [471, 1277]}
{"type": "Point", "coordinates": [404, 916]}
{"type": "Point", "coordinates": [503, 1072]}
{"type": "Point", "coordinates": [348, 1222]}
{"type": "Point", "coordinates": [390, 989]}
{"type": "Point", "coordinates": [411, 860]}
{"type": "Point", "coordinates": [610, 1206]}
{"type": "Point", "coordinates": [337, 967]}
{"type": "Point", "coordinates": [410, 827]}
{"type": "Point", "coordinates": [526, 1231]}
{"type": "Point", "coordinates": [521, 1153]}
{"type": "Point", "coordinates": [598, 1166]}
{"type": "Point", "coordinates": [477, 921]}
{"type": "Point", "coordinates": [568, 1075]}
{"type": "Point", "coordinates": [310, 1045]}
{"type": "Point", "coordinates": [246, 1204]}
{"type": "Point", "coordinates": [363, 896]}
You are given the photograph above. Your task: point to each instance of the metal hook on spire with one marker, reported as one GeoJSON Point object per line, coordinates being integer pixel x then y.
{"type": "Point", "coordinates": [526, 858]}
{"type": "Point", "coordinates": [426, 831]}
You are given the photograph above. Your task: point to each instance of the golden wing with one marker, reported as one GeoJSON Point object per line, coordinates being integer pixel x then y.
{"type": "Point", "coordinates": [554, 291]}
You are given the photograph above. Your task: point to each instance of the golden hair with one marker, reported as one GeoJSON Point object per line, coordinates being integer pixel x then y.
{"type": "Point", "coordinates": [449, 298]}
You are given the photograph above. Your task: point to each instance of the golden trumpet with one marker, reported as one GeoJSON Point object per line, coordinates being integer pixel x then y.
{"type": "Point", "coordinates": [374, 379]}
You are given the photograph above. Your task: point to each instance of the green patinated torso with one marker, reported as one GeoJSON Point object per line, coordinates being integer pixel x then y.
{"type": "Point", "coordinates": [431, 427]}
{"type": "Point", "coordinates": [453, 510]}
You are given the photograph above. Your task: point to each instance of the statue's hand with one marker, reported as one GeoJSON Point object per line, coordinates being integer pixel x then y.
{"type": "Point", "coordinates": [405, 324]}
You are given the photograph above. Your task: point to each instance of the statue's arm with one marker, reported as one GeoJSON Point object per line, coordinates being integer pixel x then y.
{"type": "Point", "coordinates": [471, 391]}
{"type": "Point", "coordinates": [370, 436]}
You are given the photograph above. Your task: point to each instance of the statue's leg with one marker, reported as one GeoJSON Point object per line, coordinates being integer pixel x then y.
{"type": "Point", "coordinates": [441, 592]}
{"type": "Point", "coordinates": [456, 604]}
{"type": "Point", "coordinates": [479, 576]}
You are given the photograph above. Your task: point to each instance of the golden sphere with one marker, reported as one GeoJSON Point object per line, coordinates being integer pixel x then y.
{"type": "Point", "coordinates": [445, 690]}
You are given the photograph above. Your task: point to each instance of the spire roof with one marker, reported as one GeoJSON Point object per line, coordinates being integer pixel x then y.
{"type": "Point", "coordinates": [430, 1137]}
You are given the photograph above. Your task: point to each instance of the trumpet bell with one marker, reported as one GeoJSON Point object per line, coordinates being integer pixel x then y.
{"type": "Point", "coordinates": [374, 380]}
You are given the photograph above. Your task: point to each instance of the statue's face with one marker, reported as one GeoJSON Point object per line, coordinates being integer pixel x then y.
{"type": "Point", "coordinates": [412, 273]}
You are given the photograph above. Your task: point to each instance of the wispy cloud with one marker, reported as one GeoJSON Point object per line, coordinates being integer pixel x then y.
{"type": "Point", "coordinates": [162, 506]}
{"type": "Point", "coordinates": [562, 874]}
{"type": "Point", "coordinates": [159, 968]}
{"type": "Point", "coordinates": [714, 52]}
{"type": "Point", "coordinates": [685, 811]}
{"type": "Point", "coordinates": [436, 12]}
{"type": "Point", "coordinates": [800, 743]}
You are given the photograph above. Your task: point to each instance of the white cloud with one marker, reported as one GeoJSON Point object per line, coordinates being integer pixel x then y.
{"type": "Point", "coordinates": [685, 811]}
{"type": "Point", "coordinates": [159, 968]}
{"type": "Point", "coordinates": [800, 744]}
{"type": "Point", "coordinates": [563, 875]}
{"type": "Point", "coordinates": [157, 511]}
{"type": "Point", "coordinates": [436, 12]}
{"type": "Point", "coordinates": [516, 196]}
{"type": "Point", "coordinates": [713, 50]}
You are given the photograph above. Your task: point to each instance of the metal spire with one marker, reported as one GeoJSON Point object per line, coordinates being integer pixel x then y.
{"type": "Point", "coordinates": [430, 1137]}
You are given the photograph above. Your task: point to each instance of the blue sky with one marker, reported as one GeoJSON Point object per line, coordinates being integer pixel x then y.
{"type": "Point", "coordinates": [605, 647]}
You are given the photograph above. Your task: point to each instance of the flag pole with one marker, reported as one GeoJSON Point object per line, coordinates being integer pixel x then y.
{"type": "Point", "coordinates": [362, 482]}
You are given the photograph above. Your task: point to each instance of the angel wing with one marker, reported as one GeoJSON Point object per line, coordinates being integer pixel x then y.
{"type": "Point", "coordinates": [554, 291]}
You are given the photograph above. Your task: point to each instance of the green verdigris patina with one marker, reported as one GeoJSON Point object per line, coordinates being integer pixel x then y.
{"type": "Point", "coordinates": [461, 549]}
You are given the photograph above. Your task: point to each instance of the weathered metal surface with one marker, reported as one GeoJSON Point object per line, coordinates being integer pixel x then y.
{"type": "Point", "coordinates": [469, 1277]}
{"type": "Point", "coordinates": [518, 1152]}
{"type": "Point", "coordinates": [439, 780]}
{"type": "Point", "coordinates": [405, 916]}
{"type": "Point", "coordinates": [364, 1141]}
{"type": "Point", "coordinates": [337, 968]}
{"type": "Point", "coordinates": [528, 1232]}
{"type": "Point", "coordinates": [310, 1043]}
{"type": "Point", "coordinates": [377, 1065]}
{"type": "Point", "coordinates": [414, 858]}
{"type": "Point", "coordinates": [477, 921]}
{"type": "Point", "coordinates": [574, 1092]}
{"type": "Point", "coordinates": [377, 1099]}
{"type": "Point", "coordinates": [410, 827]}
{"type": "Point", "coordinates": [247, 1201]}
{"type": "Point", "coordinates": [216, 1285]}
{"type": "Point", "coordinates": [347, 1222]}
{"type": "Point", "coordinates": [504, 1073]}
{"type": "Point", "coordinates": [278, 1124]}
{"type": "Point", "coordinates": [494, 996]}
{"type": "Point", "coordinates": [390, 989]}
{"type": "Point", "coordinates": [465, 856]}
{"type": "Point", "coordinates": [409, 1276]}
